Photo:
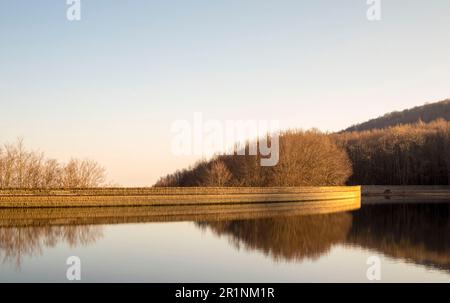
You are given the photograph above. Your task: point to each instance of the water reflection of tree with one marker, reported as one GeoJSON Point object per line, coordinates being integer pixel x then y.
{"type": "Point", "coordinates": [418, 233]}
{"type": "Point", "coordinates": [286, 238]}
{"type": "Point", "coordinates": [19, 242]}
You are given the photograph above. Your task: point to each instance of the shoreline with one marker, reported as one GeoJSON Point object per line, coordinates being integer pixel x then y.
{"type": "Point", "coordinates": [405, 191]}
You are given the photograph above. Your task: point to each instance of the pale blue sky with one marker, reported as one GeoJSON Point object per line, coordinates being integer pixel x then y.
{"type": "Point", "coordinates": [108, 87]}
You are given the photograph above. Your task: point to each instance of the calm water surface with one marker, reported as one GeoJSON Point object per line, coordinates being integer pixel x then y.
{"type": "Point", "coordinates": [412, 241]}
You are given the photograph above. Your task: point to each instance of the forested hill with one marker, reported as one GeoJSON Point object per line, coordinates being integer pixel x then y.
{"type": "Point", "coordinates": [426, 113]}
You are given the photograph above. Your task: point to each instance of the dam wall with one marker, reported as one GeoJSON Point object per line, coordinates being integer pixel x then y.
{"type": "Point", "coordinates": [170, 196]}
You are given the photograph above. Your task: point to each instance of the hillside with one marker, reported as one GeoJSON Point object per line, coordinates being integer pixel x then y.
{"type": "Point", "coordinates": [408, 154]}
{"type": "Point", "coordinates": [425, 113]}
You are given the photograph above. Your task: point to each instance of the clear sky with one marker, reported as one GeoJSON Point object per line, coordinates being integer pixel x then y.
{"type": "Point", "coordinates": [109, 86]}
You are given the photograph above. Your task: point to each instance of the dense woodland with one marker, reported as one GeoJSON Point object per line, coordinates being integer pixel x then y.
{"type": "Point", "coordinates": [411, 154]}
{"type": "Point", "coordinates": [22, 168]}
{"type": "Point", "coordinates": [306, 159]}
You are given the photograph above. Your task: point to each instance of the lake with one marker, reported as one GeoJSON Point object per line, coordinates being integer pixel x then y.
{"type": "Point", "coordinates": [411, 239]}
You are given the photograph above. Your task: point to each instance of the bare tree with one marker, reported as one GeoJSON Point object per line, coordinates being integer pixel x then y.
{"type": "Point", "coordinates": [21, 168]}
{"type": "Point", "coordinates": [217, 174]}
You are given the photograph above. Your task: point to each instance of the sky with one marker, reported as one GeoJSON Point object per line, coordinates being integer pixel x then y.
{"type": "Point", "coordinates": [109, 87]}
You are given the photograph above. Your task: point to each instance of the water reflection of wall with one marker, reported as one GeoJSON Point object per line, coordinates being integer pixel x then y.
{"type": "Point", "coordinates": [19, 242]}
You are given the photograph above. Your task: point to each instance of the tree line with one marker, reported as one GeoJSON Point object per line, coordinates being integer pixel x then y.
{"type": "Point", "coordinates": [22, 168]}
{"type": "Point", "coordinates": [426, 113]}
{"type": "Point", "coordinates": [306, 158]}
{"type": "Point", "coordinates": [410, 154]}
